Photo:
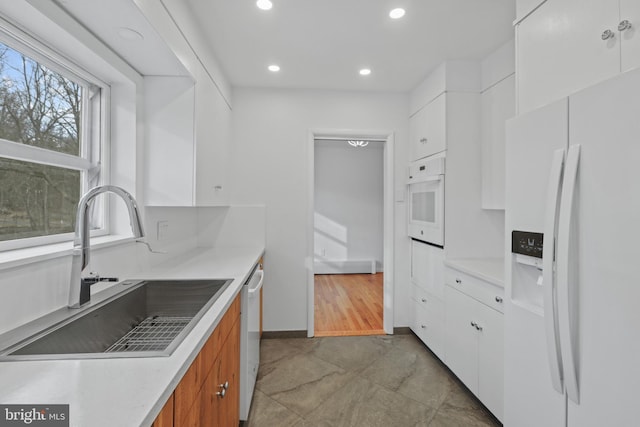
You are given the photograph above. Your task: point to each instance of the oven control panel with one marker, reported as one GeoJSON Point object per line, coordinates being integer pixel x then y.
{"type": "Point", "coordinates": [526, 243]}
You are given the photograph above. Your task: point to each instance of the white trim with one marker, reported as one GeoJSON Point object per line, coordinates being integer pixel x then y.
{"type": "Point", "coordinates": [31, 154]}
{"type": "Point", "coordinates": [388, 201]}
{"type": "Point", "coordinates": [25, 256]}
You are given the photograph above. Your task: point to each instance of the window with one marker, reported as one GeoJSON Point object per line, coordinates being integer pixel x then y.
{"type": "Point", "coordinates": [51, 130]}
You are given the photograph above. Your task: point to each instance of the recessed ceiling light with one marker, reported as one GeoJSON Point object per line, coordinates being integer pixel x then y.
{"type": "Point", "coordinates": [129, 34]}
{"type": "Point", "coordinates": [365, 72]}
{"type": "Point", "coordinates": [264, 4]}
{"type": "Point", "coordinates": [273, 68]}
{"type": "Point", "coordinates": [397, 13]}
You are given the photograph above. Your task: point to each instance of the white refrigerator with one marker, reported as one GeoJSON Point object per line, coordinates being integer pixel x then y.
{"type": "Point", "coordinates": [572, 317]}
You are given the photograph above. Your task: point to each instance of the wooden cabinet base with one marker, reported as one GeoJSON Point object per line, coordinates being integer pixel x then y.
{"type": "Point", "coordinates": [209, 393]}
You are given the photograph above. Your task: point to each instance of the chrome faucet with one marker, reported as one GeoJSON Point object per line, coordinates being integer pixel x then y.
{"type": "Point", "coordinates": [79, 291]}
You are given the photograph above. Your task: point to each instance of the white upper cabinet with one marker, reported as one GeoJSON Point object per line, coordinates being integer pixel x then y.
{"type": "Point", "coordinates": [212, 142]}
{"type": "Point", "coordinates": [498, 105]}
{"type": "Point", "coordinates": [188, 120]}
{"type": "Point", "coordinates": [564, 46]}
{"type": "Point", "coordinates": [169, 111]}
{"type": "Point", "coordinates": [187, 132]}
{"type": "Point", "coordinates": [427, 129]}
{"type": "Point", "coordinates": [630, 11]}
{"type": "Point", "coordinates": [567, 45]}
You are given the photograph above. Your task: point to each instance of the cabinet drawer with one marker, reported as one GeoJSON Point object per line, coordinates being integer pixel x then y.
{"type": "Point", "coordinates": [427, 267]}
{"type": "Point", "coordinates": [485, 292]}
{"type": "Point", "coordinates": [428, 324]}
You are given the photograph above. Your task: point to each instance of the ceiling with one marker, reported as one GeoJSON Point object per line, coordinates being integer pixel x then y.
{"type": "Point", "coordinates": [319, 44]}
{"type": "Point", "coordinates": [322, 44]}
{"type": "Point", "coordinates": [106, 19]}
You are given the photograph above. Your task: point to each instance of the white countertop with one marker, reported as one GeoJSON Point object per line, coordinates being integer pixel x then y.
{"type": "Point", "coordinates": [487, 269]}
{"type": "Point", "coordinates": [129, 391]}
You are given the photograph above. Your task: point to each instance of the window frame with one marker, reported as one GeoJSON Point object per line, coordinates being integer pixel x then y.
{"type": "Point", "coordinates": [93, 159]}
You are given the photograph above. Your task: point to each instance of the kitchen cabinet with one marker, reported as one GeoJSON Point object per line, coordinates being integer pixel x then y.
{"type": "Point", "coordinates": [427, 129]}
{"type": "Point", "coordinates": [188, 135]}
{"type": "Point", "coordinates": [524, 7]}
{"type": "Point", "coordinates": [498, 105]}
{"type": "Point", "coordinates": [212, 139]}
{"type": "Point", "coordinates": [474, 339]}
{"type": "Point", "coordinates": [165, 418]}
{"type": "Point", "coordinates": [209, 392]}
{"type": "Point", "coordinates": [427, 277]}
{"type": "Point", "coordinates": [564, 46]}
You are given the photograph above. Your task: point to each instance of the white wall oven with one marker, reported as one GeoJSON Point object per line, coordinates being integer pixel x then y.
{"type": "Point", "coordinates": [426, 201]}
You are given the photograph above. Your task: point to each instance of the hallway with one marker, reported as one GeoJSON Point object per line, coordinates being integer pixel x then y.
{"type": "Point", "coordinates": [348, 304]}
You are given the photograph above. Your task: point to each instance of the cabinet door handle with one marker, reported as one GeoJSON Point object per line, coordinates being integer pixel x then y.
{"type": "Point", "coordinates": [423, 140]}
{"type": "Point", "coordinates": [221, 393]}
{"type": "Point", "coordinates": [458, 281]}
{"type": "Point", "coordinates": [624, 25]}
{"type": "Point", "coordinates": [423, 326]}
{"type": "Point", "coordinates": [607, 34]}
{"type": "Point", "coordinates": [424, 300]}
{"type": "Point", "coordinates": [478, 327]}
{"type": "Point", "coordinates": [474, 324]}
{"type": "Point", "coordinates": [499, 299]}
{"type": "Point", "coordinates": [225, 385]}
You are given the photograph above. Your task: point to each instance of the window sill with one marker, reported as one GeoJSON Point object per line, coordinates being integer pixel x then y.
{"type": "Point", "coordinates": [19, 257]}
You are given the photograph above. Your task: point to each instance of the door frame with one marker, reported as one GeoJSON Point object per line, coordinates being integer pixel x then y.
{"type": "Point", "coordinates": [387, 138]}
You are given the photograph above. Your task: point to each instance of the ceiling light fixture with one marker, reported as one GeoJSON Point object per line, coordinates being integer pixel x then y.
{"type": "Point", "coordinates": [355, 143]}
{"type": "Point", "coordinates": [397, 13]}
{"type": "Point", "coordinates": [273, 68]}
{"type": "Point", "coordinates": [365, 72]}
{"type": "Point", "coordinates": [264, 4]}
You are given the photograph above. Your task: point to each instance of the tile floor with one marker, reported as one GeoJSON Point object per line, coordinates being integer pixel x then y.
{"type": "Point", "coordinates": [390, 381]}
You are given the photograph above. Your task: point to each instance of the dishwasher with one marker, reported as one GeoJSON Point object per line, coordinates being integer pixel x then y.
{"type": "Point", "coordinates": [250, 338]}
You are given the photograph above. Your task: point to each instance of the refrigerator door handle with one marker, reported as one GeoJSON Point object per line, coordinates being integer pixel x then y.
{"type": "Point", "coordinates": [548, 273]}
{"type": "Point", "coordinates": [567, 274]}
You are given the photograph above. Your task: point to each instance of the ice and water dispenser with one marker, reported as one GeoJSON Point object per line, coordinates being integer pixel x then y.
{"type": "Point", "coordinates": [526, 289]}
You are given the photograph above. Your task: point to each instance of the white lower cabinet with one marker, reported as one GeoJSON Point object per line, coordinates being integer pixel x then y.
{"type": "Point", "coordinates": [428, 320]}
{"type": "Point", "coordinates": [427, 278]}
{"type": "Point", "coordinates": [474, 343]}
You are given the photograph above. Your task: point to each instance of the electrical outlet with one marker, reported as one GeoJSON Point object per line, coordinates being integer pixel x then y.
{"type": "Point", "coordinates": [162, 230]}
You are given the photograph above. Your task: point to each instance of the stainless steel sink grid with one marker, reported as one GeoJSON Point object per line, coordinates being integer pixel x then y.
{"type": "Point", "coordinates": [136, 319]}
{"type": "Point", "coordinates": [154, 333]}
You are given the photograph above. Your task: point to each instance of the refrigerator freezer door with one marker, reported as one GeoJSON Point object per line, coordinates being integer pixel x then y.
{"type": "Point", "coordinates": [532, 139]}
{"type": "Point", "coordinates": [604, 120]}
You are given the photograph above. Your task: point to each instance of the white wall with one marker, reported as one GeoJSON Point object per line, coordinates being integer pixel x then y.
{"type": "Point", "coordinates": [269, 166]}
{"type": "Point", "coordinates": [348, 203]}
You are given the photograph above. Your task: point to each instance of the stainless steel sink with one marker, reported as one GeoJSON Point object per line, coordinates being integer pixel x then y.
{"type": "Point", "coordinates": [143, 319]}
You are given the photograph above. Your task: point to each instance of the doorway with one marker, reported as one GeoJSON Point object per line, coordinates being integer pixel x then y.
{"type": "Point", "coordinates": [350, 233]}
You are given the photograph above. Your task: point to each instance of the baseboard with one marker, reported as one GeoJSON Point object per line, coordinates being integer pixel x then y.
{"type": "Point", "coordinates": [347, 266]}
{"type": "Point", "coordinates": [404, 330]}
{"type": "Point", "coordinates": [266, 335]}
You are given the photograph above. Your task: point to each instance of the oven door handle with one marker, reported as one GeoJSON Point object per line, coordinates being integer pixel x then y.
{"type": "Point", "coordinates": [256, 289]}
{"type": "Point", "coordinates": [430, 178]}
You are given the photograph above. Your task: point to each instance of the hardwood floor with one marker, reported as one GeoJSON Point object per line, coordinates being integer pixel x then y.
{"type": "Point", "coordinates": [348, 304]}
